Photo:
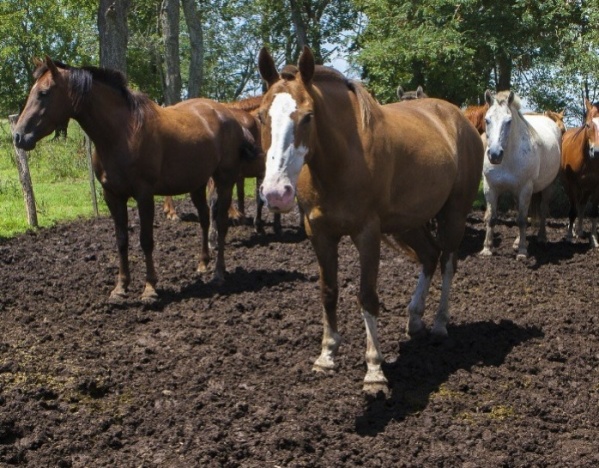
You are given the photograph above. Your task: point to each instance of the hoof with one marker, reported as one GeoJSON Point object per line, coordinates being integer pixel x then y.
{"type": "Point", "coordinates": [218, 280]}
{"type": "Point", "coordinates": [521, 256]}
{"type": "Point", "coordinates": [117, 296]}
{"type": "Point", "coordinates": [149, 298]}
{"type": "Point", "coordinates": [439, 332]}
{"type": "Point", "coordinates": [376, 389]}
{"type": "Point", "coordinates": [202, 268]}
{"type": "Point", "coordinates": [415, 328]}
{"type": "Point", "coordinates": [324, 365]}
{"type": "Point", "coordinates": [485, 252]}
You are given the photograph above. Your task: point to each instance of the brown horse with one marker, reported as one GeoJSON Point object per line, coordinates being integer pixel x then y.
{"type": "Point", "coordinates": [557, 117]}
{"type": "Point", "coordinates": [580, 172]}
{"type": "Point", "coordinates": [244, 111]}
{"type": "Point", "coordinates": [141, 150]}
{"type": "Point", "coordinates": [366, 170]}
{"type": "Point", "coordinates": [476, 115]}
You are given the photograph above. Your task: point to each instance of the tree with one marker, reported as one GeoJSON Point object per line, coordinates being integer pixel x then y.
{"type": "Point", "coordinates": [193, 20]}
{"type": "Point", "coordinates": [113, 33]}
{"type": "Point", "coordinates": [34, 28]}
{"type": "Point", "coordinates": [456, 49]}
{"type": "Point", "coordinates": [170, 31]}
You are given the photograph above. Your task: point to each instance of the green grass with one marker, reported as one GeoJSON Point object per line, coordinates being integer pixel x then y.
{"type": "Point", "coordinates": [60, 181]}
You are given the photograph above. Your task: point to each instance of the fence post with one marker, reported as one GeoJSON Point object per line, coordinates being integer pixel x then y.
{"type": "Point", "coordinates": [24, 177]}
{"type": "Point", "coordinates": [90, 171]}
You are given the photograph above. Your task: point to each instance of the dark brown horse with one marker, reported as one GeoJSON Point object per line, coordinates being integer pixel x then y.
{"type": "Point", "coordinates": [365, 170]}
{"type": "Point", "coordinates": [141, 150]}
{"type": "Point", "coordinates": [580, 172]}
{"type": "Point", "coordinates": [244, 111]}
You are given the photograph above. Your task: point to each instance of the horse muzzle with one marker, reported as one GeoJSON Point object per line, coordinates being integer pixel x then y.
{"type": "Point", "coordinates": [495, 156]}
{"type": "Point", "coordinates": [278, 199]}
{"type": "Point", "coordinates": [25, 142]}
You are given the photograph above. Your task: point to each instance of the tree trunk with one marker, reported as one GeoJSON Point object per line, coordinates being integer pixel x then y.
{"type": "Point", "coordinates": [170, 35]}
{"type": "Point", "coordinates": [114, 33]}
{"type": "Point", "coordinates": [300, 26]}
{"type": "Point", "coordinates": [504, 81]}
{"type": "Point", "coordinates": [193, 19]}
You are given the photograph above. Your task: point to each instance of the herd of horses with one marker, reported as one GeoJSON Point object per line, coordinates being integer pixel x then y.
{"type": "Point", "coordinates": [406, 172]}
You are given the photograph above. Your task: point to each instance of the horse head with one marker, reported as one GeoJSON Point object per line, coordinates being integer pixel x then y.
{"type": "Point", "coordinates": [48, 105]}
{"type": "Point", "coordinates": [498, 121]}
{"type": "Point", "coordinates": [286, 117]}
{"type": "Point", "coordinates": [592, 128]}
{"type": "Point", "coordinates": [409, 95]}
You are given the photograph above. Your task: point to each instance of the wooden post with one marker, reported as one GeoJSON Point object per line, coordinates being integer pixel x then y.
{"type": "Point", "coordinates": [25, 177]}
{"type": "Point", "coordinates": [90, 171]}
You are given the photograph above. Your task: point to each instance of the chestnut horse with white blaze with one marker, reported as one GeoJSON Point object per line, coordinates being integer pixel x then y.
{"type": "Point", "coordinates": [141, 150]}
{"type": "Point", "coordinates": [523, 156]}
{"type": "Point", "coordinates": [365, 170]}
{"type": "Point", "coordinates": [580, 172]}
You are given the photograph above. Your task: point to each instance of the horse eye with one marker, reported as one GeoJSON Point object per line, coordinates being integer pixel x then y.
{"type": "Point", "coordinates": [306, 118]}
{"type": "Point", "coordinates": [43, 93]}
{"type": "Point", "coordinates": [488, 121]}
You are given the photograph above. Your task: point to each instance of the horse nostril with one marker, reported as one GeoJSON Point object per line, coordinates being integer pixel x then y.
{"type": "Point", "coordinates": [288, 190]}
{"type": "Point", "coordinates": [17, 138]}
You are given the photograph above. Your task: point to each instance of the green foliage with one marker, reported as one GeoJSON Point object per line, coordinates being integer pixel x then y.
{"type": "Point", "coordinates": [34, 28]}
{"type": "Point", "coordinates": [457, 49]}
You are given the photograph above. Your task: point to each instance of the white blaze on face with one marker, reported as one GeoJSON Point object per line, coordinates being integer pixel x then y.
{"type": "Point", "coordinates": [594, 148]}
{"type": "Point", "coordinates": [284, 159]}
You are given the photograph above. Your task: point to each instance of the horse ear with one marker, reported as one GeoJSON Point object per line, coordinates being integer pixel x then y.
{"type": "Point", "coordinates": [399, 91]}
{"type": "Point", "coordinates": [419, 92]}
{"type": "Point", "coordinates": [51, 66]}
{"type": "Point", "coordinates": [306, 65]}
{"type": "Point", "coordinates": [510, 98]}
{"type": "Point", "coordinates": [267, 67]}
{"type": "Point", "coordinates": [488, 98]}
{"type": "Point", "coordinates": [37, 62]}
{"type": "Point", "coordinates": [587, 104]}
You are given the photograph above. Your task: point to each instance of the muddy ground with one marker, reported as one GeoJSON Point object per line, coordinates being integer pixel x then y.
{"type": "Point", "coordinates": [221, 376]}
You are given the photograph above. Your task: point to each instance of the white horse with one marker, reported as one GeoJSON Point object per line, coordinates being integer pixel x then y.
{"type": "Point", "coordinates": [523, 158]}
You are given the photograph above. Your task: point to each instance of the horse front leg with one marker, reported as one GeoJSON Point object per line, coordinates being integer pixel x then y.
{"type": "Point", "coordinates": [118, 211]}
{"type": "Point", "coordinates": [326, 249]}
{"type": "Point", "coordinates": [368, 243]}
{"type": "Point", "coordinates": [198, 198]}
{"type": "Point", "coordinates": [145, 206]}
{"type": "Point", "coordinates": [490, 219]}
{"type": "Point", "coordinates": [520, 244]}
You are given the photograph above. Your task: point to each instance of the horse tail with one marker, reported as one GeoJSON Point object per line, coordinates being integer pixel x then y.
{"type": "Point", "coordinates": [398, 245]}
{"type": "Point", "coordinates": [249, 148]}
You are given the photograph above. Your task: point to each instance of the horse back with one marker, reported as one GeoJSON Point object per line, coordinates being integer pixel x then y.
{"type": "Point", "coordinates": [435, 146]}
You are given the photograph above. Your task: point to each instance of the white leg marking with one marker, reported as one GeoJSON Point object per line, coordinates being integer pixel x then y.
{"type": "Point", "coordinates": [331, 340]}
{"type": "Point", "coordinates": [374, 358]}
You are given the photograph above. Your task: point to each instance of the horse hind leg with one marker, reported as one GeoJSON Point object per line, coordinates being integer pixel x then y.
{"type": "Point", "coordinates": [420, 241]}
{"type": "Point", "coordinates": [593, 234]}
{"type": "Point", "coordinates": [198, 198]}
{"type": "Point", "coordinates": [224, 192]}
{"type": "Point", "coordinates": [168, 209]}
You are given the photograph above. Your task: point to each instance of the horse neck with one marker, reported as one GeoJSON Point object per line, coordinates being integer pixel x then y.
{"type": "Point", "coordinates": [339, 125]}
{"type": "Point", "coordinates": [105, 117]}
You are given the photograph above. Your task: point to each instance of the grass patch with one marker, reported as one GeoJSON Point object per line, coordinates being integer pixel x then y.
{"type": "Point", "coordinates": [60, 181]}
